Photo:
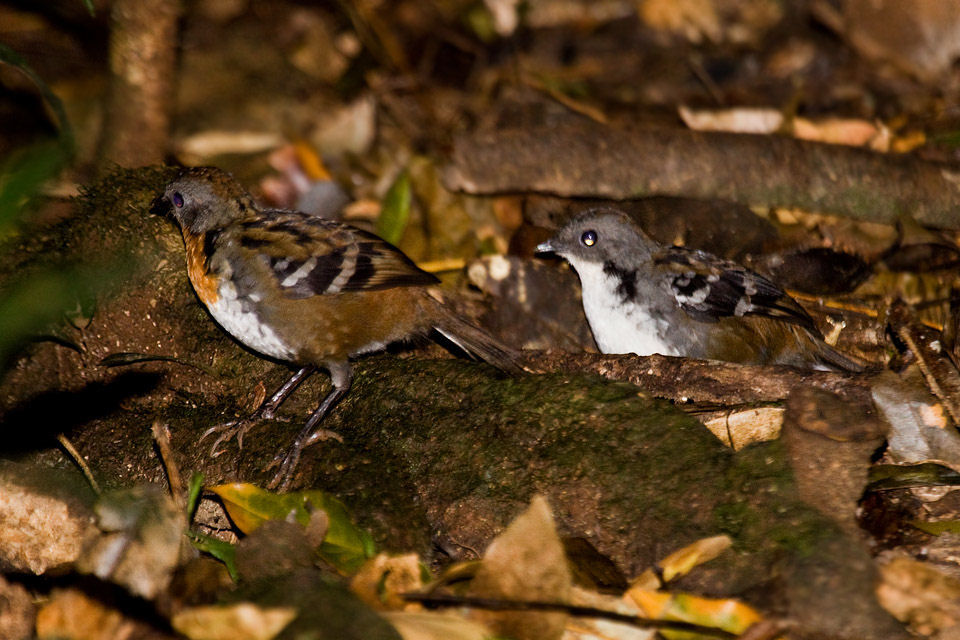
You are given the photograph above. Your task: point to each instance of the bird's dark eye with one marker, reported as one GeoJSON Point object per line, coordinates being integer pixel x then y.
{"type": "Point", "coordinates": [177, 199]}
{"type": "Point", "coordinates": [589, 238]}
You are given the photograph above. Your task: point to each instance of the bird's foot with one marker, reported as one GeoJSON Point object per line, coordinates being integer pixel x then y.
{"type": "Point", "coordinates": [235, 429]}
{"type": "Point", "coordinates": [288, 461]}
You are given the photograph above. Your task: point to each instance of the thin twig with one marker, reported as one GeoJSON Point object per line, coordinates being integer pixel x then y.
{"type": "Point", "coordinates": [696, 65]}
{"type": "Point", "coordinates": [161, 435]}
{"type": "Point", "coordinates": [497, 604]}
{"type": "Point", "coordinates": [80, 462]}
{"type": "Point", "coordinates": [837, 305]}
{"type": "Point", "coordinates": [577, 106]}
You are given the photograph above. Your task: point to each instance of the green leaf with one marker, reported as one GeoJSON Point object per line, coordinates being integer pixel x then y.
{"type": "Point", "coordinates": [14, 59]}
{"type": "Point", "coordinates": [21, 177]}
{"type": "Point", "coordinates": [936, 528]}
{"type": "Point", "coordinates": [30, 305]}
{"type": "Point", "coordinates": [345, 545]}
{"type": "Point", "coordinates": [479, 20]}
{"type": "Point", "coordinates": [222, 551]}
{"type": "Point", "coordinates": [927, 474]}
{"type": "Point", "coordinates": [948, 138]}
{"type": "Point", "coordinates": [193, 494]}
{"type": "Point", "coordinates": [90, 8]}
{"type": "Point", "coordinates": [395, 213]}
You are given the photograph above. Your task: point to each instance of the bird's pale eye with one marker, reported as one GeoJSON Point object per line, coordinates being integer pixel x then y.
{"type": "Point", "coordinates": [177, 199]}
{"type": "Point", "coordinates": [589, 238]}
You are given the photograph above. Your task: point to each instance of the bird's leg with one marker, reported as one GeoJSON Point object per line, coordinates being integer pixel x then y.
{"type": "Point", "coordinates": [341, 375]}
{"type": "Point", "coordinates": [266, 411]}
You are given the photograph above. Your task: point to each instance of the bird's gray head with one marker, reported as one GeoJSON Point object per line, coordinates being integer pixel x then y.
{"type": "Point", "coordinates": [600, 236]}
{"type": "Point", "coordinates": [204, 198]}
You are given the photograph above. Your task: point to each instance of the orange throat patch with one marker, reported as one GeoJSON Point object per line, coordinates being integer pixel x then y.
{"type": "Point", "coordinates": [205, 284]}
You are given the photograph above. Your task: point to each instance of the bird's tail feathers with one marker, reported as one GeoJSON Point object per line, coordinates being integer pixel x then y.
{"type": "Point", "coordinates": [834, 360]}
{"type": "Point", "coordinates": [476, 341]}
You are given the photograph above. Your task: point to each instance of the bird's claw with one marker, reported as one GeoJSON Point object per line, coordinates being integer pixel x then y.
{"type": "Point", "coordinates": [233, 429]}
{"type": "Point", "coordinates": [226, 431]}
{"type": "Point", "coordinates": [288, 461]}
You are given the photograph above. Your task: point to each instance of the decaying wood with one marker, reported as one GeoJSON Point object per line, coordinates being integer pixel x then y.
{"type": "Point", "coordinates": [594, 161]}
{"type": "Point", "coordinates": [705, 382]}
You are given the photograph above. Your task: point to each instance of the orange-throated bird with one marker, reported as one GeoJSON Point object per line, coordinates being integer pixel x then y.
{"type": "Point", "coordinates": [306, 291]}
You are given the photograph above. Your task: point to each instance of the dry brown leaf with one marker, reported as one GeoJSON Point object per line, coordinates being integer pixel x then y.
{"type": "Point", "coordinates": [17, 613]}
{"type": "Point", "coordinates": [920, 594]}
{"type": "Point", "coordinates": [71, 614]}
{"type": "Point", "coordinates": [920, 430]}
{"type": "Point", "coordinates": [348, 129]}
{"type": "Point", "coordinates": [737, 120]}
{"type": "Point", "coordinates": [695, 20]}
{"type": "Point", "coordinates": [739, 428]}
{"type": "Point", "coordinates": [600, 628]}
{"type": "Point", "coordinates": [919, 36]}
{"type": "Point", "coordinates": [240, 621]}
{"type": "Point", "coordinates": [382, 579]}
{"type": "Point", "coordinates": [525, 562]}
{"type": "Point", "coordinates": [140, 539]}
{"type": "Point", "coordinates": [200, 147]}
{"type": "Point", "coordinates": [542, 15]}
{"type": "Point", "coordinates": [853, 132]}
{"type": "Point", "coordinates": [427, 625]}
{"type": "Point", "coordinates": [848, 131]}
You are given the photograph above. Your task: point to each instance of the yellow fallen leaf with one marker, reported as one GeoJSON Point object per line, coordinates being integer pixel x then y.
{"type": "Point", "coordinates": [310, 161]}
{"type": "Point", "coordinates": [680, 562]}
{"type": "Point", "coordinates": [727, 614]}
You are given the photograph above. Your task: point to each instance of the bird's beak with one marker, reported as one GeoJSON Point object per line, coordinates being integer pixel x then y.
{"type": "Point", "coordinates": [161, 207]}
{"type": "Point", "coordinates": [545, 247]}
